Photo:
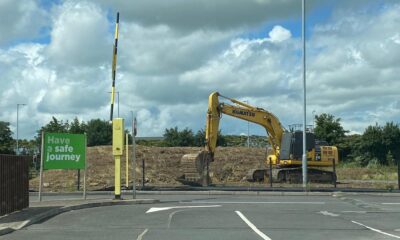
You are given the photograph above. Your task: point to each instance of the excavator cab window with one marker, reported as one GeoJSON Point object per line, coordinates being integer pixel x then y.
{"type": "Point", "coordinates": [292, 144]}
{"type": "Point", "coordinates": [286, 145]}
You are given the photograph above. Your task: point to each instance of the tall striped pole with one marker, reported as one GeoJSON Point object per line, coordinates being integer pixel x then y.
{"type": "Point", "coordinates": [114, 67]}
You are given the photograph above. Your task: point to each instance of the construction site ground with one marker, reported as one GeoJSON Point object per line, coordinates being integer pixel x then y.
{"type": "Point", "coordinates": [229, 169]}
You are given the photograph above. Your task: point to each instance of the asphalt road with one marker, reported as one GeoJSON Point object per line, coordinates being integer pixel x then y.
{"type": "Point", "coordinates": [229, 217]}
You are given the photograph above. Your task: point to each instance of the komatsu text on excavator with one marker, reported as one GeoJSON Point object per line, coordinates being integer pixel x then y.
{"type": "Point", "coordinates": [285, 151]}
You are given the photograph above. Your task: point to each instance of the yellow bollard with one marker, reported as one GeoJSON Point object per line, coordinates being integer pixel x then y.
{"type": "Point", "coordinates": [127, 162]}
{"type": "Point", "coordinates": [118, 149]}
{"type": "Point", "coordinates": [117, 180]}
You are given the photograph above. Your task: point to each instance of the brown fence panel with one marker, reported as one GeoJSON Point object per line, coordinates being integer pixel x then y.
{"type": "Point", "coordinates": [14, 183]}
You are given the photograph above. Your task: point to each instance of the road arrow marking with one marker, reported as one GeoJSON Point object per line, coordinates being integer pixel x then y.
{"type": "Point", "coordinates": [157, 209]}
{"type": "Point", "coordinates": [326, 213]}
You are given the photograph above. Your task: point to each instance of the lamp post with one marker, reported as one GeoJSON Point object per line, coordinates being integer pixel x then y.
{"type": "Point", "coordinates": [18, 104]}
{"type": "Point", "coordinates": [304, 158]}
{"type": "Point", "coordinates": [133, 156]}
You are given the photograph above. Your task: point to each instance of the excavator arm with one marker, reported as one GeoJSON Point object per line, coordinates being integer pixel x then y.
{"type": "Point", "coordinates": [243, 111]}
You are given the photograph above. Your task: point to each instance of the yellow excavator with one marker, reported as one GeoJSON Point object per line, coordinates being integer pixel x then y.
{"type": "Point", "coordinates": [284, 155]}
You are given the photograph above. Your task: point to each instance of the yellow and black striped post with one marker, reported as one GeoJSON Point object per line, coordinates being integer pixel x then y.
{"type": "Point", "coordinates": [117, 123]}
{"type": "Point", "coordinates": [114, 67]}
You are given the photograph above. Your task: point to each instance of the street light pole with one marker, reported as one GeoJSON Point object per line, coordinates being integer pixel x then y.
{"type": "Point", "coordinates": [18, 104]}
{"type": "Point", "coordinates": [304, 159]}
{"type": "Point", "coordinates": [133, 156]}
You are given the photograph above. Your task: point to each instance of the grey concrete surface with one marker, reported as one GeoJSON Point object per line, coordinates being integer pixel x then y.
{"type": "Point", "coordinates": [41, 210]}
{"type": "Point", "coordinates": [277, 217]}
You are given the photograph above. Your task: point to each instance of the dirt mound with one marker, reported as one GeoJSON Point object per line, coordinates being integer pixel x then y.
{"type": "Point", "coordinates": [162, 167]}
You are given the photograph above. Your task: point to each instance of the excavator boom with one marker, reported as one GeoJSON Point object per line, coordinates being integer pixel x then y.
{"type": "Point", "coordinates": [242, 111]}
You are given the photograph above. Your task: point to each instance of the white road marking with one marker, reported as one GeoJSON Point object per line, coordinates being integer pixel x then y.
{"type": "Point", "coordinates": [391, 203]}
{"type": "Point", "coordinates": [377, 230]}
{"type": "Point", "coordinates": [318, 203]}
{"type": "Point", "coordinates": [252, 226]}
{"type": "Point", "coordinates": [157, 209]}
{"type": "Point", "coordinates": [354, 211]}
{"type": "Point", "coordinates": [171, 215]}
{"type": "Point", "coordinates": [142, 234]}
{"type": "Point", "coordinates": [326, 213]}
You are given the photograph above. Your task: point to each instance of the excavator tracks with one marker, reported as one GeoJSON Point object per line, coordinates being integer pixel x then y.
{"type": "Point", "coordinates": [291, 175]}
{"type": "Point", "coordinates": [294, 175]}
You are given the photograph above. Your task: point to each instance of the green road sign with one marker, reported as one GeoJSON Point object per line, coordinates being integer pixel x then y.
{"type": "Point", "coordinates": [64, 151]}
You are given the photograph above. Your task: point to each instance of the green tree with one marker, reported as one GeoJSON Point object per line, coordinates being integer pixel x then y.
{"type": "Point", "coordinates": [200, 138]}
{"type": "Point", "coordinates": [174, 138]}
{"type": "Point", "coordinates": [378, 144]}
{"type": "Point", "coordinates": [391, 141]}
{"type": "Point", "coordinates": [6, 140]}
{"type": "Point", "coordinates": [328, 128]}
{"type": "Point", "coordinates": [77, 127]}
{"type": "Point", "coordinates": [372, 146]}
{"type": "Point", "coordinates": [98, 132]}
{"type": "Point", "coordinates": [54, 126]}
{"type": "Point", "coordinates": [349, 148]}
{"type": "Point", "coordinates": [28, 147]}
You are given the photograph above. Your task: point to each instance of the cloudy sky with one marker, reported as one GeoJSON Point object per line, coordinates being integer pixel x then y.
{"type": "Point", "coordinates": [55, 56]}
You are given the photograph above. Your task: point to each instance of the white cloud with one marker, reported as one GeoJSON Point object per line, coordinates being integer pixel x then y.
{"type": "Point", "coordinates": [79, 35]}
{"type": "Point", "coordinates": [20, 19]}
{"type": "Point", "coordinates": [221, 15]}
{"type": "Point", "coordinates": [171, 60]}
{"type": "Point", "coordinates": [65, 78]}
{"type": "Point", "coordinates": [355, 72]}
{"type": "Point", "coordinates": [161, 50]}
{"type": "Point", "coordinates": [279, 34]}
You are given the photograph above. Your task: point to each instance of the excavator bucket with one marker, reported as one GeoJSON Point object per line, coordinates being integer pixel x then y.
{"type": "Point", "coordinates": [195, 169]}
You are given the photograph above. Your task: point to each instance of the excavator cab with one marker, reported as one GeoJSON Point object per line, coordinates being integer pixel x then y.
{"type": "Point", "coordinates": [292, 145]}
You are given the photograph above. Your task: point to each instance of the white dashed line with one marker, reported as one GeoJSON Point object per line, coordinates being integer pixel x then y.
{"type": "Point", "coordinates": [252, 226]}
{"type": "Point", "coordinates": [391, 203]}
{"type": "Point", "coordinates": [376, 230]}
